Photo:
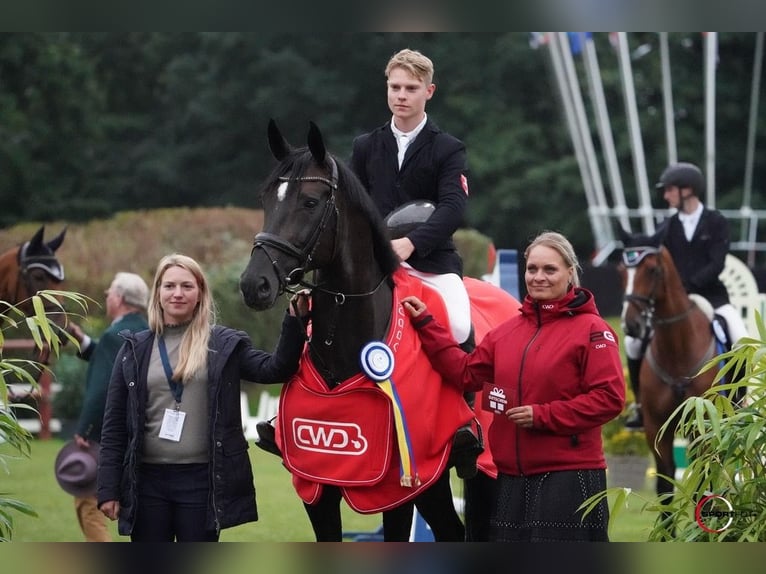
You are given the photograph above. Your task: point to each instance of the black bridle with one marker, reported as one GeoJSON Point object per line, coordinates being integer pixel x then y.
{"type": "Point", "coordinates": [646, 303]}
{"type": "Point", "coordinates": [291, 282]}
{"type": "Point", "coordinates": [295, 280]}
{"type": "Point", "coordinates": [46, 262]}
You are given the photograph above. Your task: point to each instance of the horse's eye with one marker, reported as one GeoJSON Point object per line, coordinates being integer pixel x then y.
{"type": "Point", "coordinates": [310, 203]}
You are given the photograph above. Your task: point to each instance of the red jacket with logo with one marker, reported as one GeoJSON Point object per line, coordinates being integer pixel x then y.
{"type": "Point", "coordinates": [561, 358]}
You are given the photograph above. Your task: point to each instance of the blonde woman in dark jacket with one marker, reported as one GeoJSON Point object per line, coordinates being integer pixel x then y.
{"type": "Point", "coordinates": [174, 462]}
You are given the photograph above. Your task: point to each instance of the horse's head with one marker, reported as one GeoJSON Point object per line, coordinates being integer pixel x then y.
{"type": "Point", "coordinates": [30, 268]}
{"type": "Point", "coordinates": [642, 277]}
{"type": "Point", "coordinates": [310, 203]}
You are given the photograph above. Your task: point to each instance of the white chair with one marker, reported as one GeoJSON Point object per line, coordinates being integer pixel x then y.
{"type": "Point", "coordinates": [743, 291]}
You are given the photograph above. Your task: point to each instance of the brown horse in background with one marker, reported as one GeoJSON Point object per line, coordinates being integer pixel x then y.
{"type": "Point", "coordinates": [679, 340]}
{"type": "Point", "coordinates": [27, 269]}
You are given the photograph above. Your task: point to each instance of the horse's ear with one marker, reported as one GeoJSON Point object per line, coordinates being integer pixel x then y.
{"type": "Point", "coordinates": [278, 145]}
{"type": "Point", "coordinates": [37, 240]}
{"type": "Point", "coordinates": [624, 235]}
{"type": "Point", "coordinates": [56, 242]}
{"type": "Point", "coordinates": [316, 144]}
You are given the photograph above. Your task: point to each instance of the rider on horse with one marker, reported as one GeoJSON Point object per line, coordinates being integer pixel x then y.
{"type": "Point", "coordinates": [409, 159]}
{"type": "Point", "coordinates": [697, 238]}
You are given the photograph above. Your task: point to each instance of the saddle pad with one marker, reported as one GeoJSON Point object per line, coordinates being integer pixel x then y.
{"type": "Point", "coordinates": [342, 438]}
{"type": "Point", "coordinates": [370, 482]}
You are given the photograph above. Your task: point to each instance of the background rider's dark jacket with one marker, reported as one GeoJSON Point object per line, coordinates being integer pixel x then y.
{"type": "Point", "coordinates": [231, 358]}
{"type": "Point", "coordinates": [431, 170]}
{"type": "Point", "coordinates": [700, 261]}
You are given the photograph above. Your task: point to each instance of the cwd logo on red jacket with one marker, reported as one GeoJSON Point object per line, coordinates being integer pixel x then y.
{"type": "Point", "coordinates": [598, 338]}
{"type": "Point", "coordinates": [329, 436]}
{"type": "Point", "coordinates": [464, 183]}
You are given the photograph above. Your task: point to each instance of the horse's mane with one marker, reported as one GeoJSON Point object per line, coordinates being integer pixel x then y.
{"type": "Point", "coordinates": [349, 185]}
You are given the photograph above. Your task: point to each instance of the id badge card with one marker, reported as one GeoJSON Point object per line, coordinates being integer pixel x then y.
{"type": "Point", "coordinates": [494, 399]}
{"type": "Point", "coordinates": [172, 424]}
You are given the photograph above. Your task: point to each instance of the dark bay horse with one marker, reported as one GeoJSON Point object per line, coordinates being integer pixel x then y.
{"type": "Point", "coordinates": [679, 341]}
{"type": "Point", "coordinates": [379, 439]}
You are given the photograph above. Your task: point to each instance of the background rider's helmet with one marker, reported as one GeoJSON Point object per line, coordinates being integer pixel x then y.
{"type": "Point", "coordinates": [682, 174]}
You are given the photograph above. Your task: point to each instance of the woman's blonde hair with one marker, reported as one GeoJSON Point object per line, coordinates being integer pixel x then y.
{"type": "Point", "coordinates": [192, 354]}
{"type": "Point", "coordinates": [561, 244]}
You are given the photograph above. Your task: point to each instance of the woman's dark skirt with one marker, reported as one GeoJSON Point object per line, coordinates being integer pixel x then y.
{"type": "Point", "coordinates": [543, 508]}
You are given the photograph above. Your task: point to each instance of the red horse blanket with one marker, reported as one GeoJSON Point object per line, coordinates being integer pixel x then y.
{"type": "Point", "coordinates": [346, 437]}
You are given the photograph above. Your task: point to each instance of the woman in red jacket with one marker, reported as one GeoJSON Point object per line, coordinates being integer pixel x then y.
{"type": "Point", "coordinates": [553, 376]}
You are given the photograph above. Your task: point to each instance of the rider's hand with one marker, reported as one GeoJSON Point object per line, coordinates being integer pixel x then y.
{"type": "Point", "coordinates": [403, 247]}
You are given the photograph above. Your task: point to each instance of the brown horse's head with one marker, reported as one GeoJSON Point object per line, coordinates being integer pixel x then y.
{"type": "Point", "coordinates": [642, 282]}
{"type": "Point", "coordinates": [30, 268]}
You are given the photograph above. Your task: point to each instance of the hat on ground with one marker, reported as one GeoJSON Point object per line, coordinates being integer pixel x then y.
{"type": "Point", "coordinates": [76, 468]}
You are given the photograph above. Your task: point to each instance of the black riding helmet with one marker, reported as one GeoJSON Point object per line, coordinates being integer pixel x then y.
{"type": "Point", "coordinates": [682, 174]}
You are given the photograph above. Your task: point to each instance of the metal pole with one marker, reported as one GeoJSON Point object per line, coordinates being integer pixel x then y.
{"type": "Point", "coordinates": [667, 98]}
{"type": "Point", "coordinates": [754, 92]}
{"type": "Point", "coordinates": [590, 59]}
{"type": "Point", "coordinates": [750, 154]}
{"type": "Point", "coordinates": [711, 55]}
{"type": "Point", "coordinates": [639, 161]}
{"type": "Point", "coordinates": [554, 45]}
{"type": "Point", "coordinates": [603, 231]}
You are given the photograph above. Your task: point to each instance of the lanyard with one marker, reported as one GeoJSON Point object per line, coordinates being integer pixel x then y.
{"type": "Point", "coordinates": [175, 387]}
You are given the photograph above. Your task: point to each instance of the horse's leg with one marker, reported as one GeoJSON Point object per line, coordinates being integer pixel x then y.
{"type": "Point", "coordinates": [664, 463]}
{"type": "Point", "coordinates": [438, 510]}
{"type": "Point", "coordinates": [397, 523]}
{"type": "Point", "coordinates": [479, 495]}
{"type": "Point", "coordinates": [325, 515]}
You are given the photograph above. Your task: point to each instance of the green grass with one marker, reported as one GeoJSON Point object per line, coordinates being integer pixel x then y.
{"type": "Point", "coordinates": [282, 517]}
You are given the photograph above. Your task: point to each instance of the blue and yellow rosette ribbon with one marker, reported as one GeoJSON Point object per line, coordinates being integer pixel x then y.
{"type": "Point", "coordinates": [378, 364]}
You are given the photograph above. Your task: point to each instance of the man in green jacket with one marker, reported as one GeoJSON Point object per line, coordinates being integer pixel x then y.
{"type": "Point", "coordinates": [126, 302]}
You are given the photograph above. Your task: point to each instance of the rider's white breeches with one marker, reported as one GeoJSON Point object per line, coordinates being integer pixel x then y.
{"type": "Point", "coordinates": [734, 322]}
{"type": "Point", "coordinates": [450, 286]}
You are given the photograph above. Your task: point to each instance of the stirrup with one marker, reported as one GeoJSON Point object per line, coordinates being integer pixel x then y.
{"type": "Point", "coordinates": [466, 448]}
{"type": "Point", "coordinates": [267, 437]}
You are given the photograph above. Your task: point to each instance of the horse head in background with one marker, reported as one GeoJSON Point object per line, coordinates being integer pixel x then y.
{"type": "Point", "coordinates": [676, 332]}
{"type": "Point", "coordinates": [366, 418]}
{"type": "Point", "coordinates": [30, 268]}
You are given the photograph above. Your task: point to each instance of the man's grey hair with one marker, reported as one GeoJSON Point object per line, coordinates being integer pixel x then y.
{"type": "Point", "coordinates": [132, 288]}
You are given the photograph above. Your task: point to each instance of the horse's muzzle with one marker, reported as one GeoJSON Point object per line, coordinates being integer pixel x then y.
{"type": "Point", "coordinates": [258, 292]}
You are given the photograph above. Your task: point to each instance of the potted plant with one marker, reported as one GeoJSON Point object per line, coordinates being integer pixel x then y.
{"type": "Point", "coordinates": [627, 455]}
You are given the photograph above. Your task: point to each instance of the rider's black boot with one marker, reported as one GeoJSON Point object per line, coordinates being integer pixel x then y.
{"type": "Point", "coordinates": [467, 444]}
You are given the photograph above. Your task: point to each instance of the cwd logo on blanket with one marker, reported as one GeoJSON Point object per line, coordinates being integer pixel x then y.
{"type": "Point", "coordinates": [329, 437]}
